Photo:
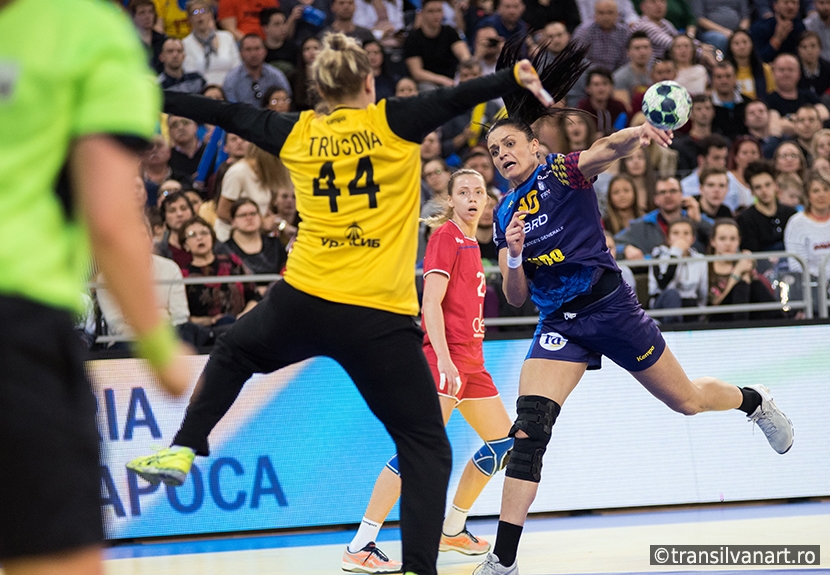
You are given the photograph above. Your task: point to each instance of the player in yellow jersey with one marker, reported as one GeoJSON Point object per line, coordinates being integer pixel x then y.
{"type": "Point", "coordinates": [349, 290]}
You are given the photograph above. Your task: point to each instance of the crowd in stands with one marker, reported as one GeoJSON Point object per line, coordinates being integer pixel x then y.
{"type": "Point", "coordinates": [749, 172]}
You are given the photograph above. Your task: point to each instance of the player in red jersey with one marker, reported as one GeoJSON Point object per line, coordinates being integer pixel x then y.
{"type": "Point", "coordinates": [454, 287]}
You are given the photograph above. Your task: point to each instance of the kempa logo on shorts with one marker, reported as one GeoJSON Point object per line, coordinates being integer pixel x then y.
{"type": "Point", "coordinates": [552, 341]}
{"type": "Point", "coordinates": [646, 354]}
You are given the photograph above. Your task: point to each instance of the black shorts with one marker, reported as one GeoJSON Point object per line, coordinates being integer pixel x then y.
{"type": "Point", "coordinates": [50, 489]}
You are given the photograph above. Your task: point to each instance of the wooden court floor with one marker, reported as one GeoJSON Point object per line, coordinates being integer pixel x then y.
{"type": "Point", "coordinates": [615, 543]}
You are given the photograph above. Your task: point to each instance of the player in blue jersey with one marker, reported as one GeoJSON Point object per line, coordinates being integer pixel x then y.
{"type": "Point", "coordinates": [552, 249]}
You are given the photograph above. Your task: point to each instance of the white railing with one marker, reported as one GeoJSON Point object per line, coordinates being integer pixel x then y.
{"type": "Point", "coordinates": [822, 286]}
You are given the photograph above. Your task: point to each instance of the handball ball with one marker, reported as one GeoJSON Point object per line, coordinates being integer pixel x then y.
{"type": "Point", "coordinates": [666, 105]}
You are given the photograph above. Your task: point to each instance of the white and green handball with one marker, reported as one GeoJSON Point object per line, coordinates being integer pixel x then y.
{"type": "Point", "coordinates": [666, 105]}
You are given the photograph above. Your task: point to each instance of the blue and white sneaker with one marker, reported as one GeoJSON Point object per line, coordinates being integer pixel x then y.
{"type": "Point", "coordinates": [491, 566]}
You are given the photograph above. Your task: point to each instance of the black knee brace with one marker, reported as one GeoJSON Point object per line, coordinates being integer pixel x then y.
{"type": "Point", "coordinates": [535, 416]}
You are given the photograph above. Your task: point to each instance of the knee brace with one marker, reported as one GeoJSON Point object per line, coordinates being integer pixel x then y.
{"type": "Point", "coordinates": [535, 415]}
{"type": "Point", "coordinates": [493, 456]}
{"type": "Point", "coordinates": [392, 465]}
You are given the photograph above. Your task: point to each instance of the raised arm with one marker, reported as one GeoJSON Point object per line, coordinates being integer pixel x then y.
{"type": "Point", "coordinates": [618, 145]}
{"type": "Point", "coordinates": [414, 118]}
{"type": "Point", "coordinates": [260, 126]}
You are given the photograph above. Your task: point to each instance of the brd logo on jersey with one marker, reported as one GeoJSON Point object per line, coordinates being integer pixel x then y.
{"type": "Point", "coordinates": [529, 203]}
{"type": "Point", "coordinates": [552, 341]}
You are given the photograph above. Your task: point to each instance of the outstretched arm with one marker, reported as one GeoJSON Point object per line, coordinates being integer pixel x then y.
{"type": "Point", "coordinates": [260, 126]}
{"type": "Point", "coordinates": [618, 145]}
{"type": "Point", "coordinates": [413, 118]}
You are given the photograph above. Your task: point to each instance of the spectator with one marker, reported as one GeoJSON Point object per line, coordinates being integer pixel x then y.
{"type": "Point", "coordinates": [173, 18]}
{"type": "Point", "coordinates": [577, 132]}
{"type": "Point", "coordinates": [508, 22]}
{"type": "Point", "coordinates": [819, 22]}
{"type": "Point", "coordinates": [384, 80]}
{"type": "Point", "coordinates": [661, 32]}
{"type": "Point", "coordinates": [173, 76]}
{"type": "Point", "coordinates": [171, 300]}
{"type": "Point", "coordinates": [145, 19]}
{"type": "Point", "coordinates": [633, 78]}
{"type": "Point", "coordinates": [627, 274]}
{"type": "Point", "coordinates": [208, 51]}
{"type": "Point", "coordinates": [236, 148]}
{"type": "Point", "coordinates": [754, 77]}
{"type": "Point", "coordinates": [820, 147]}
{"type": "Point", "coordinates": [735, 282]}
{"type": "Point", "coordinates": [700, 119]}
{"type": "Point", "coordinates": [385, 18]}
{"type": "Point", "coordinates": [789, 159]}
{"type": "Point", "coordinates": [611, 114]}
{"type": "Point", "coordinates": [778, 35]}
{"type": "Point", "coordinates": [744, 151]}
{"type": "Point", "coordinates": [605, 37]}
{"type": "Point", "coordinates": [790, 191]}
{"type": "Point", "coordinates": [555, 37]}
{"type": "Point", "coordinates": [680, 14]}
{"type": "Point", "coordinates": [479, 159]}
{"type": "Point", "coordinates": [305, 96]}
{"type": "Point", "coordinates": [276, 99]}
{"type": "Point", "coordinates": [436, 173]}
{"type": "Point", "coordinates": [155, 167]}
{"type": "Point", "coordinates": [281, 51]}
{"type": "Point", "coordinates": [646, 233]}
{"type": "Point", "coordinates": [431, 147]}
{"type": "Point", "coordinates": [672, 286]}
{"type": "Point", "coordinates": [807, 233]}
{"type": "Point", "coordinates": [815, 70]}
{"type": "Point", "coordinates": [728, 101]}
{"type": "Point", "coordinates": [484, 233]}
{"type": "Point", "coordinates": [690, 74]}
{"type": "Point", "coordinates": [256, 177]}
{"type": "Point", "coordinates": [166, 188]}
{"type": "Point", "coordinates": [218, 304]}
{"type": "Point", "coordinates": [286, 218]}
{"type": "Point", "coordinates": [622, 207]}
{"type": "Point", "coordinates": [488, 45]}
{"type": "Point", "coordinates": [187, 147]}
{"type": "Point", "coordinates": [466, 130]}
{"type": "Point", "coordinates": [405, 88]}
{"type": "Point", "coordinates": [762, 224]}
{"type": "Point", "coordinates": [661, 71]}
{"type": "Point", "coordinates": [433, 51]}
{"type": "Point", "coordinates": [712, 153]}
{"type": "Point", "coordinates": [807, 124]}
{"type": "Point", "coordinates": [248, 81]}
{"type": "Point", "coordinates": [260, 252]}
{"type": "Point", "coordinates": [758, 120]}
{"type": "Point", "coordinates": [306, 18]}
{"type": "Point", "coordinates": [176, 210]}
{"type": "Point", "coordinates": [241, 17]}
{"type": "Point", "coordinates": [639, 168]}
{"type": "Point", "coordinates": [717, 19]}
{"type": "Point", "coordinates": [714, 183]}
{"type": "Point", "coordinates": [587, 12]}
{"type": "Point", "coordinates": [476, 11]}
{"type": "Point", "coordinates": [343, 12]}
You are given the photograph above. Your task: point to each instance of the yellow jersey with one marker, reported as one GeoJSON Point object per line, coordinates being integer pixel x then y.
{"type": "Point", "coordinates": [357, 241]}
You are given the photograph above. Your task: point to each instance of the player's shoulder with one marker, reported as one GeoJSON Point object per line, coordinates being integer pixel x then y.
{"type": "Point", "coordinates": [448, 231]}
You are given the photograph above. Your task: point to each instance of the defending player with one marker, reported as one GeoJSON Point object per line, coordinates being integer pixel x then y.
{"type": "Point", "coordinates": [356, 173]}
{"type": "Point", "coordinates": [77, 102]}
{"type": "Point", "coordinates": [454, 288]}
{"type": "Point", "coordinates": [552, 249]}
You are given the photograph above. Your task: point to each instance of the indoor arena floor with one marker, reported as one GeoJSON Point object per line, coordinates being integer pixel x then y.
{"type": "Point", "coordinates": [614, 542]}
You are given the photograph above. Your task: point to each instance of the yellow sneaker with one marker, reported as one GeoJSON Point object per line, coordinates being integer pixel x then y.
{"type": "Point", "coordinates": [170, 465]}
{"type": "Point", "coordinates": [465, 543]}
{"type": "Point", "coordinates": [370, 559]}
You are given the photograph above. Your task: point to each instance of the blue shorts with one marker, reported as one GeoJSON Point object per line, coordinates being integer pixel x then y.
{"type": "Point", "coordinates": [615, 326]}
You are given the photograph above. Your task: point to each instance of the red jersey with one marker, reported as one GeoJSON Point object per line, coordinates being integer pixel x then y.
{"type": "Point", "coordinates": [451, 253]}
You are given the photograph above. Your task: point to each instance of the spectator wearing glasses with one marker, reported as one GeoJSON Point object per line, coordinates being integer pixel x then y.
{"type": "Point", "coordinates": [173, 76]}
{"type": "Point", "coordinates": [210, 52]}
{"type": "Point", "coordinates": [276, 99]}
{"type": "Point", "coordinates": [248, 81]}
{"type": "Point", "coordinates": [261, 253]}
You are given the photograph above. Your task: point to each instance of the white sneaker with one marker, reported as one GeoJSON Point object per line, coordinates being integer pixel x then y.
{"type": "Point", "coordinates": [491, 566]}
{"type": "Point", "coordinates": [776, 426]}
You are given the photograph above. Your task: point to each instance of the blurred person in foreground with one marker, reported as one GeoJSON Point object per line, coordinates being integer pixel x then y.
{"type": "Point", "coordinates": [69, 145]}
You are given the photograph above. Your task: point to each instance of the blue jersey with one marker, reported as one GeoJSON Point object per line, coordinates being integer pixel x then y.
{"type": "Point", "coordinates": [564, 252]}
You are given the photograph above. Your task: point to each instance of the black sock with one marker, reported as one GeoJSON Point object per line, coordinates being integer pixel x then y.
{"type": "Point", "coordinates": [752, 399]}
{"type": "Point", "coordinates": [507, 542]}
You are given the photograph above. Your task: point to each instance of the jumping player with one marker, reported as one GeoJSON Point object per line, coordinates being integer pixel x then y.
{"type": "Point", "coordinates": [77, 104]}
{"type": "Point", "coordinates": [454, 287]}
{"type": "Point", "coordinates": [552, 249]}
{"type": "Point", "coordinates": [356, 172]}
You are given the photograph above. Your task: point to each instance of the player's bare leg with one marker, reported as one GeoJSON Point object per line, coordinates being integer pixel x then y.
{"type": "Point", "coordinates": [87, 561]}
